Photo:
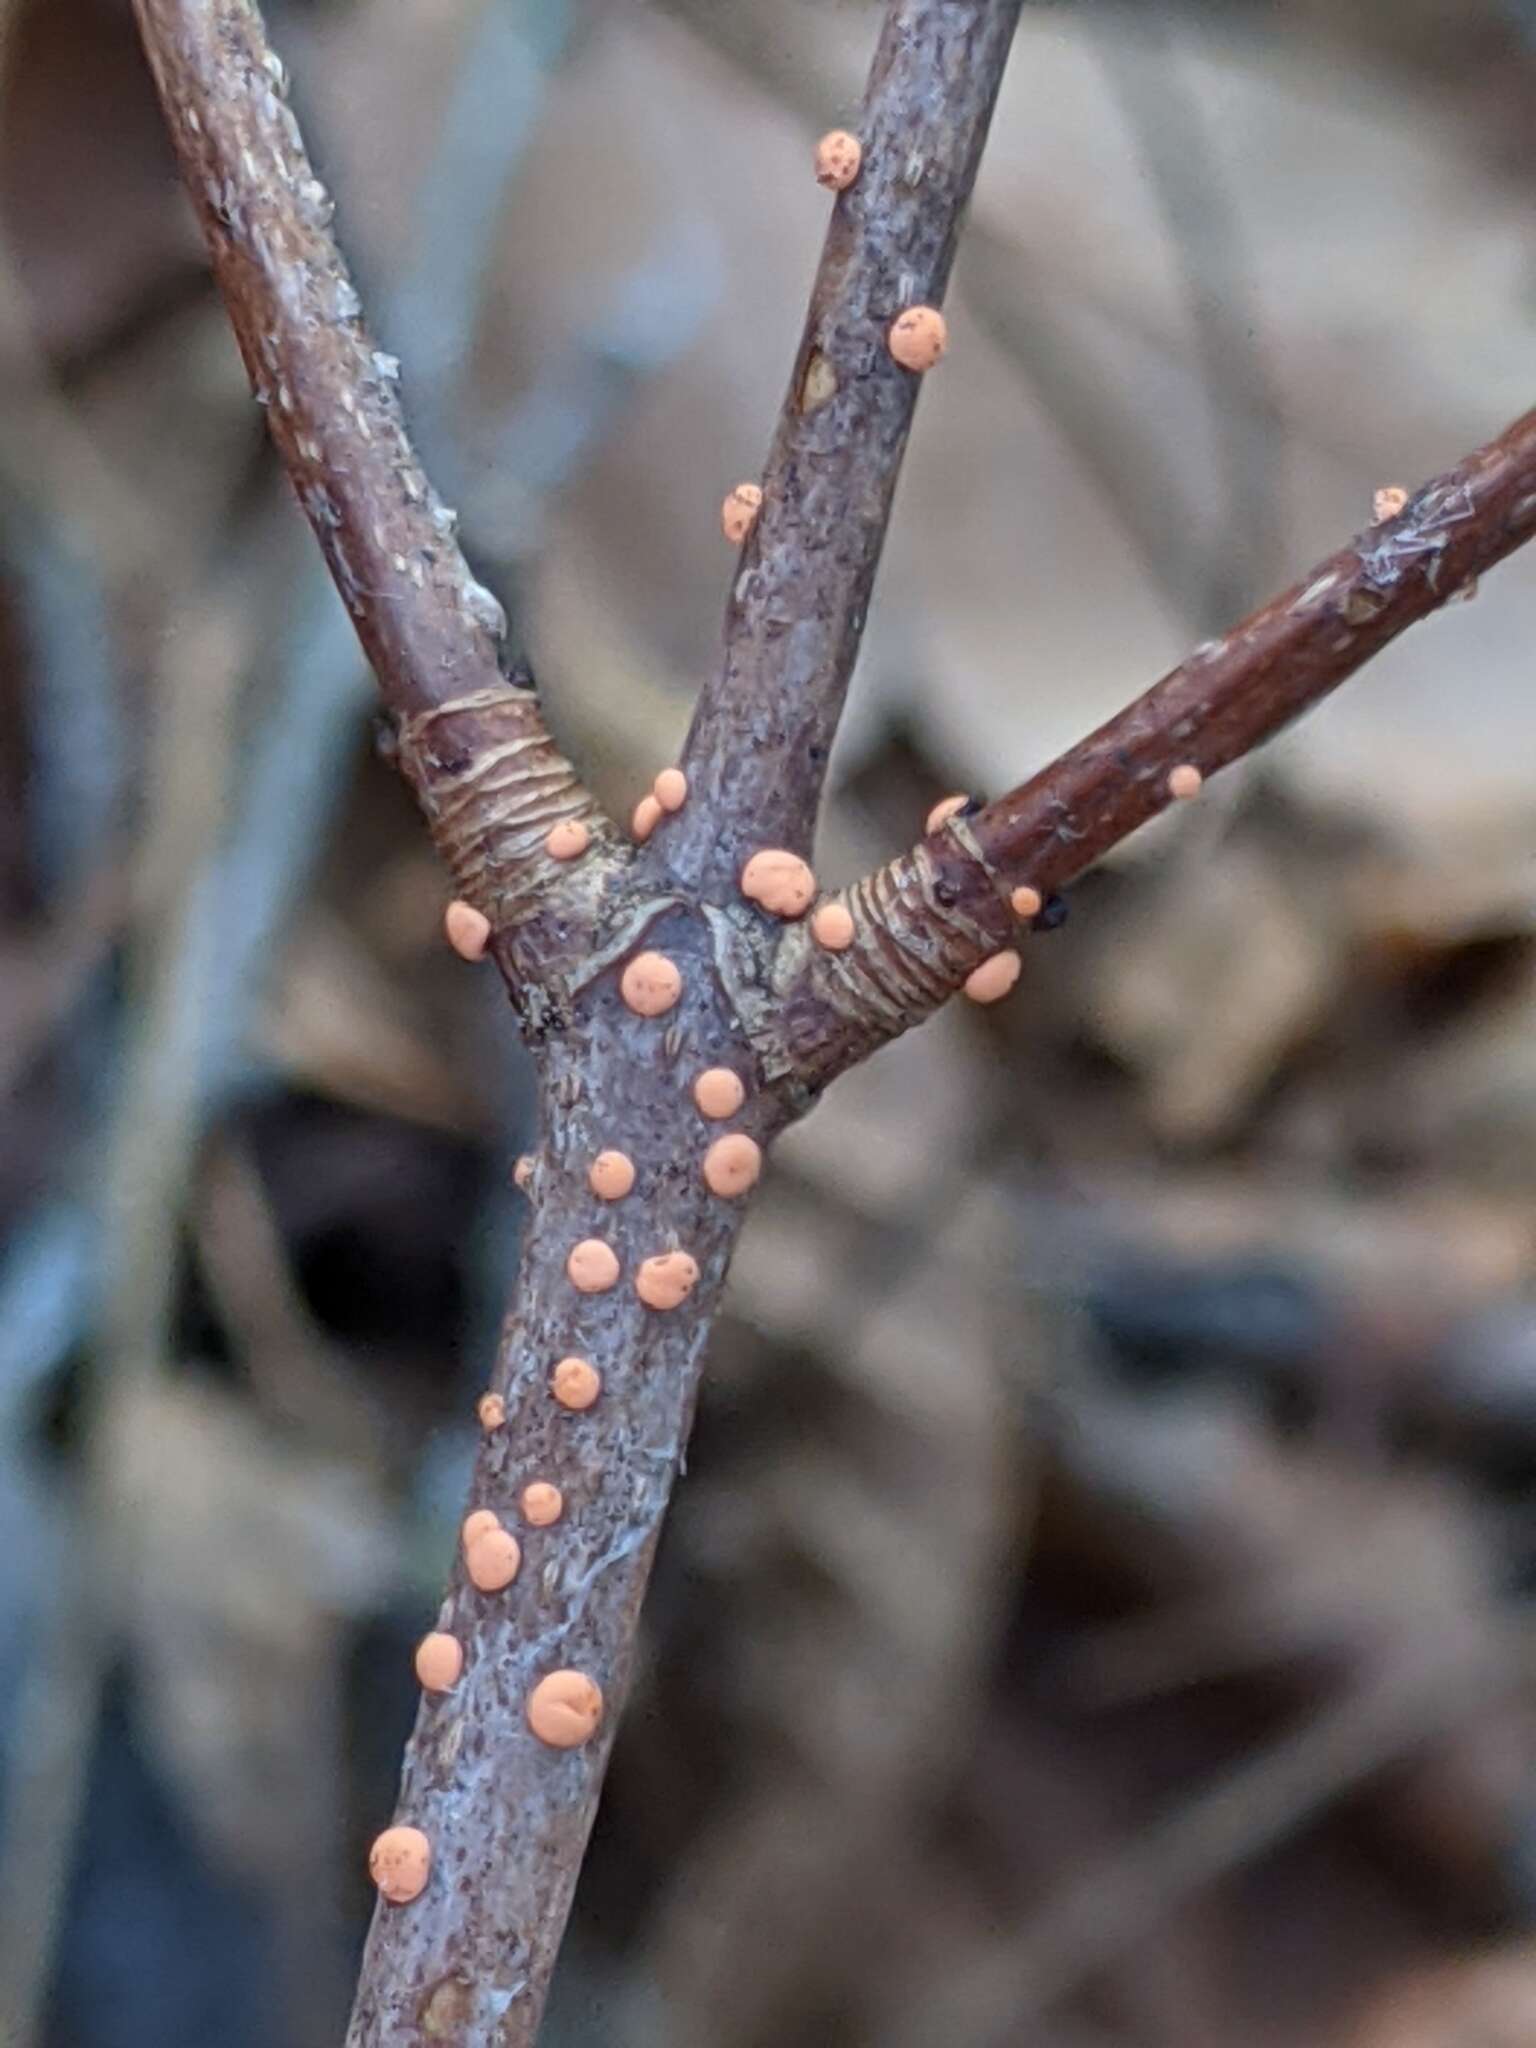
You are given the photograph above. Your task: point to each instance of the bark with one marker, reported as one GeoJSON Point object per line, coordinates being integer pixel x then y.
{"type": "Point", "coordinates": [762, 733]}
{"type": "Point", "coordinates": [925, 921]}
{"type": "Point", "coordinates": [474, 742]}
{"type": "Point", "coordinates": [468, 1961]}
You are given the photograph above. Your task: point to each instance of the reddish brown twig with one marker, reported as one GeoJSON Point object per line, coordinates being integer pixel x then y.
{"type": "Point", "coordinates": [932, 915]}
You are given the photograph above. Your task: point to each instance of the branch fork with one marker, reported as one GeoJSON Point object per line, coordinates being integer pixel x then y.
{"type": "Point", "coordinates": [744, 1017]}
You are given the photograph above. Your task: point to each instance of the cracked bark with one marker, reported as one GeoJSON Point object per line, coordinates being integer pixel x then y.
{"type": "Point", "coordinates": [469, 1961]}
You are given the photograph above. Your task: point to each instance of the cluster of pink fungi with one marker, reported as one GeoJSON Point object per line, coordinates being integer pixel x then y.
{"type": "Point", "coordinates": [565, 1708]}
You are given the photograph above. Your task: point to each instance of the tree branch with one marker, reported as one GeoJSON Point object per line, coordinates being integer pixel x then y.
{"type": "Point", "coordinates": [757, 751]}
{"type": "Point", "coordinates": [923, 923]}
{"type": "Point", "coordinates": [494, 1805]}
{"type": "Point", "coordinates": [475, 746]}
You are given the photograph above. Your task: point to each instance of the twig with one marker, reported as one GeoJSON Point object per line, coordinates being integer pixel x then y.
{"type": "Point", "coordinates": [762, 733]}
{"type": "Point", "coordinates": [924, 922]}
{"type": "Point", "coordinates": [318, 696]}
{"type": "Point", "coordinates": [430, 632]}
{"type": "Point", "coordinates": [500, 1806]}
{"type": "Point", "coordinates": [487, 773]}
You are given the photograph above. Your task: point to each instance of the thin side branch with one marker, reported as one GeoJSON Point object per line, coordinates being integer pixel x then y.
{"type": "Point", "coordinates": [924, 922]}
{"type": "Point", "coordinates": [475, 746]}
{"type": "Point", "coordinates": [761, 735]}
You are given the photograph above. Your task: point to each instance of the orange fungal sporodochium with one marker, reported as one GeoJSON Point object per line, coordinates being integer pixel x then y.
{"type": "Point", "coordinates": [838, 157]}
{"type": "Point", "coordinates": [943, 811]}
{"type": "Point", "coordinates": [732, 1164]}
{"type": "Point", "coordinates": [1388, 502]}
{"type": "Point", "coordinates": [645, 819]}
{"type": "Point", "coordinates": [492, 1411]}
{"type": "Point", "coordinates": [565, 1709]}
{"type": "Point", "coordinates": [779, 882]}
{"type": "Point", "coordinates": [919, 337]}
{"type": "Point", "coordinates": [476, 1524]}
{"type": "Point", "coordinates": [719, 1093]}
{"type": "Point", "coordinates": [400, 1863]}
{"type": "Point", "coordinates": [493, 1560]}
{"type": "Point", "coordinates": [611, 1176]}
{"type": "Point", "coordinates": [832, 926]}
{"type": "Point", "coordinates": [650, 984]}
{"type": "Point", "coordinates": [522, 1173]}
{"type": "Point", "coordinates": [567, 840]}
{"type": "Point", "coordinates": [738, 515]}
{"type": "Point", "coordinates": [1184, 781]}
{"type": "Point", "coordinates": [575, 1384]}
{"type": "Point", "coordinates": [670, 789]}
{"type": "Point", "coordinates": [593, 1266]}
{"type": "Point", "coordinates": [439, 1661]}
{"type": "Point", "coordinates": [468, 929]}
{"type": "Point", "coordinates": [1027, 902]}
{"type": "Point", "coordinates": [991, 981]}
{"type": "Point", "coordinates": [543, 1504]}
{"type": "Point", "coordinates": [667, 1279]}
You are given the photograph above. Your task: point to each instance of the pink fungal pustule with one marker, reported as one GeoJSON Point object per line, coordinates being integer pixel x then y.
{"type": "Point", "coordinates": [611, 1176]}
{"type": "Point", "coordinates": [568, 840]}
{"type": "Point", "coordinates": [738, 515]}
{"type": "Point", "coordinates": [592, 1266]}
{"type": "Point", "coordinates": [1388, 502]}
{"type": "Point", "coordinates": [733, 1165]}
{"type": "Point", "coordinates": [646, 817]}
{"type": "Point", "coordinates": [522, 1173]}
{"type": "Point", "coordinates": [468, 929]}
{"type": "Point", "coordinates": [992, 980]}
{"type": "Point", "coordinates": [919, 337]}
{"type": "Point", "coordinates": [400, 1862]}
{"type": "Point", "coordinates": [493, 1560]}
{"type": "Point", "coordinates": [565, 1709]}
{"type": "Point", "coordinates": [779, 882]}
{"type": "Point", "coordinates": [650, 984]}
{"type": "Point", "coordinates": [439, 1662]}
{"type": "Point", "coordinates": [832, 926]}
{"type": "Point", "coordinates": [492, 1411]}
{"type": "Point", "coordinates": [476, 1525]}
{"type": "Point", "coordinates": [575, 1384]}
{"type": "Point", "coordinates": [543, 1504]}
{"type": "Point", "coordinates": [1026, 902]}
{"type": "Point", "coordinates": [943, 811]}
{"type": "Point", "coordinates": [719, 1093]}
{"type": "Point", "coordinates": [666, 1280]}
{"type": "Point", "coordinates": [670, 789]}
{"type": "Point", "coordinates": [1185, 781]}
{"type": "Point", "coordinates": [838, 157]}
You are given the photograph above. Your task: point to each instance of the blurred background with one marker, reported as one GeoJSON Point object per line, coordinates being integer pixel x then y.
{"type": "Point", "coordinates": [1098, 1613]}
